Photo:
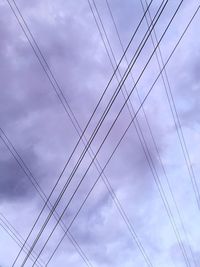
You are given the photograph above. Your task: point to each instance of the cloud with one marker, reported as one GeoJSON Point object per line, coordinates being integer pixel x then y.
{"type": "Point", "coordinates": [35, 122]}
{"type": "Point", "coordinates": [13, 182]}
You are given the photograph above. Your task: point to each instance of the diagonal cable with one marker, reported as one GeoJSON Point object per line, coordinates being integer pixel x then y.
{"type": "Point", "coordinates": [165, 64]}
{"type": "Point", "coordinates": [157, 16]}
{"type": "Point", "coordinates": [17, 238]}
{"type": "Point", "coordinates": [112, 126]}
{"type": "Point", "coordinates": [146, 118]}
{"type": "Point", "coordinates": [23, 166]}
{"type": "Point", "coordinates": [150, 3]}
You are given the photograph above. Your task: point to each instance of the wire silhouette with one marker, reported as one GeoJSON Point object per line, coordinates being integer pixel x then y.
{"type": "Point", "coordinates": [109, 130]}
{"type": "Point", "coordinates": [165, 64]}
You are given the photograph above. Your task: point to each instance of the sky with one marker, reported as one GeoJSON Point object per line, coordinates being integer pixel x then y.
{"type": "Point", "coordinates": [154, 173]}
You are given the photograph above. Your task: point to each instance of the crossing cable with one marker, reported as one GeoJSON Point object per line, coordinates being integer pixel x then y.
{"type": "Point", "coordinates": [23, 166]}
{"type": "Point", "coordinates": [109, 188]}
{"type": "Point", "coordinates": [142, 140]}
{"type": "Point", "coordinates": [146, 118]}
{"type": "Point", "coordinates": [40, 191]}
{"type": "Point", "coordinates": [118, 204]}
{"type": "Point", "coordinates": [44, 64]}
{"type": "Point", "coordinates": [44, 224]}
{"type": "Point", "coordinates": [136, 124]}
{"type": "Point", "coordinates": [40, 51]}
{"type": "Point", "coordinates": [16, 236]}
{"type": "Point", "coordinates": [19, 243]}
{"type": "Point", "coordinates": [119, 142]}
{"type": "Point", "coordinates": [172, 105]}
{"type": "Point", "coordinates": [114, 197]}
{"type": "Point", "coordinates": [39, 215]}
{"type": "Point", "coordinates": [104, 138]}
{"type": "Point", "coordinates": [129, 225]}
{"type": "Point", "coordinates": [179, 129]}
{"type": "Point", "coordinates": [50, 75]}
{"type": "Point", "coordinates": [93, 135]}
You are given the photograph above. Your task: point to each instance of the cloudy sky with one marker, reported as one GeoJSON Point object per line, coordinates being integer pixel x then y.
{"type": "Point", "coordinates": [154, 173]}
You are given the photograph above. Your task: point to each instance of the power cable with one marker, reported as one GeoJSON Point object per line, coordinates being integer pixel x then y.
{"type": "Point", "coordinates": [169, 93]}
{"type": "Point", "coordinates": [178, 127]}
{"type": "Point", "coordinates": [18, 239]}
{"type": "Point", "coordinates": [165, 64]}
{"type": "Point", "coordinates": [34, 39]}
{"type": "Point", "coordinates": [139, 132]}
{"type": "Point", "coordinates": [104, 138]}
{"type": "Point", "coordinates": [120, 75]}
{"type": "Point", "coordinates": [85, 150]}
{"type": "Point", "coordinates": [145, 115]}
{"type": "Point", "coordinates": [40, 53]}
{"type": "Point", "coordinates": [108, 186]}
{"type": "Point", "coordinates": [7, 142]}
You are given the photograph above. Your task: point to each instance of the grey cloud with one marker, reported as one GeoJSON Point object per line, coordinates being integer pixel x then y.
{"type": "Point", "coordinates": [35, 121]}
{"type": "Point", "coordinates": [13, 182]}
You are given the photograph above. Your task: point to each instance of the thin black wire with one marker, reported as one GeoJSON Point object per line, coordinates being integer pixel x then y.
{"type": "Point", "coordinates": [177, 117]}
{"type": "Point", "coordinates": [108, 131]}
{"type": "Point", "coordinates": [53, 84]}
{"type": "Point", "coordinates": [34, 182]}
{"type": "Point", "coordinates": [44, 65]}
{"type": "Point", "coordinates": [18, 242]}
{"type": "Point", "coordinates": [108, 186]}
{"type": "Point", "coordinates": [15, 235]}
{"type": "Point", "coordinates": [89, 142]}
{"type": "Point", "coordinates": [165, 64]}
{"type": "Point", "coordinates": [40, 191]}
{"type": "Point", "coordinates": [120, 208]}
{"type": "Point", "coordinates": [145, 147]}
{"type": "Point", "coordinates": [145, 115]}
{"type": "Point", "coordinates": [71, 238]}
{"type": "Point", "coordinates": [180, 134]}
{"type": "Point", "coordinates": [106, 181]}
{"type": "Point", "coordinates": [61, 174]}
{"type": "Point", "coordinates": [142, 140]}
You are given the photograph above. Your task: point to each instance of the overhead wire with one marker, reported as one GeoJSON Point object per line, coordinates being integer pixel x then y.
{"type": "Point", "coordinates": [110, 129]}
{"type": "Point", "coordinates": [142, 139]}
{"type": "Point", "coordinates": [173, 105]}
{"type": "Point", "coordinates": [178, 127]}
{"type": "Point", "coordinates": [131, 111]}
{"type": "Point", "coordinates": [23, 166]}
{"type": "Point", "coordinates": [129, 225]}
{"type": "Point", "coordinates": [105, 179]}
{"type": "Point", "coordinates": [47, 63]}
{"type": "Point", "coordinates": [145, 115]}
{"type": "Point", "coordinates": [18, 242]}
{"type": "Point", "coordinates": [119, 142]}
{"type": "Point", "coordinates": [94, 133]}
{"type": "Point", "coordinates": [115, 61]}
{"type": "Point", "coordinates": [16, 236]}
{"type": "Point", "coordinates": [109, 186]}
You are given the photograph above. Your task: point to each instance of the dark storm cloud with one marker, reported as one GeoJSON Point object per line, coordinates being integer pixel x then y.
{"type": "Point", "coordinates": [13, 182]}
